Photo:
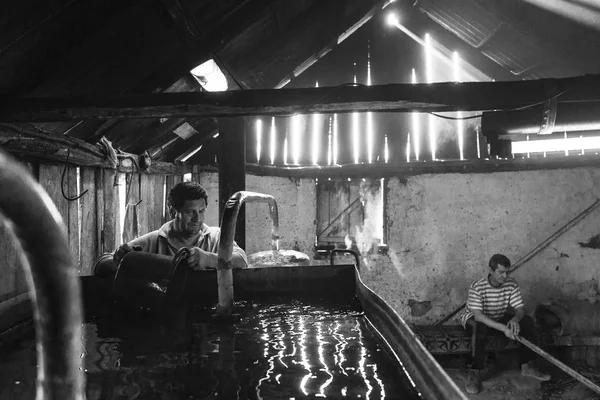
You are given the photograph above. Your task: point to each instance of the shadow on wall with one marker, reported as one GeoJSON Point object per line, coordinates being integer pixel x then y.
{"type": "Point", "coordinates": [593, 242]}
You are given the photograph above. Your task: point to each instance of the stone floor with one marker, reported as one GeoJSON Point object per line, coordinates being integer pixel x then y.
{"type": "Point", "coordinates": [503, 383]}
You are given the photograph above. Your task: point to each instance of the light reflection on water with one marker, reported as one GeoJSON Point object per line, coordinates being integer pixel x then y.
{"type": "Point", "coordinates": [291, 350]}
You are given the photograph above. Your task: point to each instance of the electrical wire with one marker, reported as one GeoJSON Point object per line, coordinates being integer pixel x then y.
{"type": "Point", "coordinates": [62, 182]}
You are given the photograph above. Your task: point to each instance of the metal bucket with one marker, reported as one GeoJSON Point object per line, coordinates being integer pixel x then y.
{"type": "Point", "coordinates": [150, 281]}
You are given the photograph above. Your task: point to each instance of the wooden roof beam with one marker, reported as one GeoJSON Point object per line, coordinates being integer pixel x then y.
{"type": "Point", "coordinates": [435, 97]}
{"type": "Point", "coordinates": [51, 147]}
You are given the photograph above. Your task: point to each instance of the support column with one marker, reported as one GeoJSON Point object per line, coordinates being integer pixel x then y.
{"type": "Point", "coordinates": [232, 168]}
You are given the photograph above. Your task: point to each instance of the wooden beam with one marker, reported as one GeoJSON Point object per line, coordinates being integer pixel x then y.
{"type": "Point", "coordinates": [376, 171]}
{"type": "Point", "coordinates": [377, 7]}
{"type": "Point", "coordinates": [56, 148]}
{"type": "Point", "coordinates": [435, 97]}
{"type": "Point", "coordinates": [232, 169]}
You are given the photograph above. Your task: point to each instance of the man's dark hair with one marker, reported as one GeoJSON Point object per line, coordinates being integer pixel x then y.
{"type": "Point", "coordinates": [499, 259]}
{"type": "Point", "coordinates": [186, 191]}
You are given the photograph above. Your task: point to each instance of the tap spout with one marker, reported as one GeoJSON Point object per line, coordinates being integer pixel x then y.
{"type": "Point", "coordinates": [228, 223]}
{"type": "Point", "coordinates": [34, 221]}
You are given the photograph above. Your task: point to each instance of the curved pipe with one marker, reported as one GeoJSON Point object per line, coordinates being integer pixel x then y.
{"type": "Point", "coordinates": [345, 251]}
{"type": "Point", "coordinates": [52, 277]}
{"type": "Point", "coordinates": [228, 223]}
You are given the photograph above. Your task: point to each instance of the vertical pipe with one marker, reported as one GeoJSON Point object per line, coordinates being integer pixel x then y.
{"type": "Point", "coordinates": [51, 274]}
{"type": "Point", "coordinates": [225, 252]}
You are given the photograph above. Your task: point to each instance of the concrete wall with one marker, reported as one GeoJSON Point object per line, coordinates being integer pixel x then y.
{"type": "Point", "coordinates": [444, 228]}
{"type": "Point", "coordinates": [296, 199]}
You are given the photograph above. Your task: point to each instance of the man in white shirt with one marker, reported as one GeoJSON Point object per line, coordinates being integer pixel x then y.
{"type": "Point", "coordinates": [187, 206]}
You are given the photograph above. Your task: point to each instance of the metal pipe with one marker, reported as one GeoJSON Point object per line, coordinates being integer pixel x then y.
{"type": "Point", "coordinates": [345, 251]}
{"type": "Point", "coordinates": [228, 223]}
{"type": "Point", "coordinates": [51, 275]}
{"type": "Point", "coordinates": [568, 117]}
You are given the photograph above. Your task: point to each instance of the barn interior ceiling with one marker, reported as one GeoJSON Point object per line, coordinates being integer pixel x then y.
{"type": "Point", "coordinates": [71, 49]}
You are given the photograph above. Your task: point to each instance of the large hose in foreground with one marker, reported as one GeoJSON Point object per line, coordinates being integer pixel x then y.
{"type": "Point", "coordinates": [35, 222]}
{"type": "Point", "coordinates": [228, 223]}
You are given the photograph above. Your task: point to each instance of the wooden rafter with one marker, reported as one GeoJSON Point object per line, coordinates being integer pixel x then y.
{"type": "Point", "coordinates": [437, 97]}
{"type": "Point", "coordinates": [58, 148]}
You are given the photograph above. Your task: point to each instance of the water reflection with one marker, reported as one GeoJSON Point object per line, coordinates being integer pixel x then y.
{"type": "Point", "coordinates": [283, 350]}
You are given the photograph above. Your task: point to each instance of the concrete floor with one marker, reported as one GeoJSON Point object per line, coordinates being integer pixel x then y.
{"type": "Point", "coordinates": [509, 384]}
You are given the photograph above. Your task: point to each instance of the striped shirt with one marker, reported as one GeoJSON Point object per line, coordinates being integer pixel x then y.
{"type": "Point", "coordinates": [492, 301]}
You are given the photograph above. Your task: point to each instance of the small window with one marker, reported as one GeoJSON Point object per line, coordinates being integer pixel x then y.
{"type": "Point", "coordinates": [210, 77]}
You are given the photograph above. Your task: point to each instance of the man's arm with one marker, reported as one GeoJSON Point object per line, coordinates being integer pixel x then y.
{"type": "Point", "coordinates": [516, 302]}
{"type": "Point", "coordinates": [143, 243]}
{"type": "Point", "coordinates": [475, 304]}
{"type": "Point", "coordinates": [201, 259]}
{"type": "Point", "coordinates": [484, 319]}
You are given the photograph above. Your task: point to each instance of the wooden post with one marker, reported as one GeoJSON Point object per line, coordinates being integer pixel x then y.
{"type": "Point", "coordinates": [232, 168]}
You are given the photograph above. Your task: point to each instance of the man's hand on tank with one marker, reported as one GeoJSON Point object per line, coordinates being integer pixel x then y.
{"type": "Point", "coordinates": [197, 259]}
{"type": "Point", "coordinates": [122, 250]}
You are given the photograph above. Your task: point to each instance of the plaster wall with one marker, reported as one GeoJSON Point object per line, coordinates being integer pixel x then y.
{"type": "Point", "coordinates": [296, 200]}
{"type": "Point", "coordinates": [444, 228]}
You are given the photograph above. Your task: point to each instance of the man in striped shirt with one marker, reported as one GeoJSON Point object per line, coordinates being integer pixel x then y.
{"type": "Point", "coordinates": [488, 307]}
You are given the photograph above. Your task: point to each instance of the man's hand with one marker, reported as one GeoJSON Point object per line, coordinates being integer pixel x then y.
{"type": "Point", "coordinates": [122, 250]}
{"type": "Point", "coordinates": [513, 325]}
{"type": "Point", "coordinates": [199, 259]}
{"type": "Point", "coordinates": [508, 331]}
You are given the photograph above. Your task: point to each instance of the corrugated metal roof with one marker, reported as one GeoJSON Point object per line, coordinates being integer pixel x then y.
{"type": "Point", "coordinates": [466, 19]}
{"type": "Point", "coordinates": [498, 37]}
{"type": "Point", "coordinates": [514, 50]}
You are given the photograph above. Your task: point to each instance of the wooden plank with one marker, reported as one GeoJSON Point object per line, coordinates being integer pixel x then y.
{"type": "Point", "coordinates": [9, 263]}
{"type": "Point", "coordinates": [89, 231]}
{"type": "Point", "coordinates": [159, 203]}
{"type": "Point", "coordinates": [50, 179]}
{"type": "Point", "coordinates": [99, 197]}
{"type": "Point", "coordinates": [429, 167]}
{"type": "Point", "coordinates": [434, 97]}
{"type": "Point", "coordinates": [111, 211]}
{"type": "Point", "coordinates": [53, 147]}
{"type": "Point", "coordinates": [71, 190]}
{"type": "Point", "coordinates": [131, 228]}
{"type": "Point", "coordinates": [563, 367]}
{"type": "Point", "coordinates": [172, 180]}
{"type": "Point", "coordinates": [148, 205]}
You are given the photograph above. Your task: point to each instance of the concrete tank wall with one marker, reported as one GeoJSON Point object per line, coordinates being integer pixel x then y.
{"type": "Point", "coordinates": [296, 200]}
{"type": "Point", "coordinates": [444, 228]}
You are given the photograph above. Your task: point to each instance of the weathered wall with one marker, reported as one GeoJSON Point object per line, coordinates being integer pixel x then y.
{"type": "Point", "coordinates": [296, 199]}
{"type": "Point", "coordinates": [444, 228]}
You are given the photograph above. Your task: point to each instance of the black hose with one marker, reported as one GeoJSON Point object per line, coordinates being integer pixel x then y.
{"type": "Point", "coordinates": [52, 277]}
